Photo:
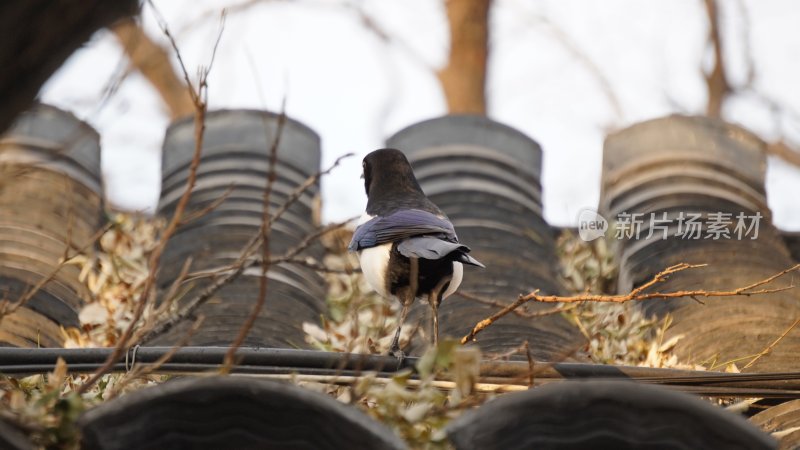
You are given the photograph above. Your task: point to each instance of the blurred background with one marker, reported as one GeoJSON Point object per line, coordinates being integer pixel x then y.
{"type": "Point", "coordinates": [565, 72]}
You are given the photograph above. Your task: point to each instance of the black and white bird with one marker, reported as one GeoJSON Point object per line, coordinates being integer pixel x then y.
{"type": "Point", "coordinates": [406, 245]}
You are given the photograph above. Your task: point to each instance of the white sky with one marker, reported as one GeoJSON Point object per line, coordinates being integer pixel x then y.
{"type": "Point", "coordinates": [355, 90]}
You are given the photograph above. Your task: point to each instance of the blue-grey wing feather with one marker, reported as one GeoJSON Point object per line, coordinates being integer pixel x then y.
{"type": "Point", "coordinates": [402, 225]}
{"type": "Point", "coordinates": [428, 248]}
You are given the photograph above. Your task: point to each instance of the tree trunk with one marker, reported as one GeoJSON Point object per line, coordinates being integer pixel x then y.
{"type": "Point", "coordinates": [463, 79]}
{"type": "Point", "coordinates": [38, 36]}
{"type": "Point", "coordinates": [717, 81]}
{"type": "Point", "coordinates": [152, 61]}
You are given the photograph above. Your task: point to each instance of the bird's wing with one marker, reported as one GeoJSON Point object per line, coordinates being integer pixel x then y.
{"type": "Point", "coordinates": [401, 225]}
{"type": "Point", "coordinates": [428, 247]}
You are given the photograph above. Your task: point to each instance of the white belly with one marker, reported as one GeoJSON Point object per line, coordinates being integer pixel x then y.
{"type": "Point", "coordinates": [374, 262]}
{"type": "Point", "coordinates": [455, 282]}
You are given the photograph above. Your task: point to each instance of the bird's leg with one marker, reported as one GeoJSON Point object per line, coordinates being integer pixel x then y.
{"type": "Point", "coordinates": [413, 276]}
{"type": "Point", "coordinates": [395, 348]}
{"type": "Point", "coordinates": [407, 298]}
{"type": "Point", "coordinates": [434, 302]}
{"type": "Point", "coordinates": [434, 298]}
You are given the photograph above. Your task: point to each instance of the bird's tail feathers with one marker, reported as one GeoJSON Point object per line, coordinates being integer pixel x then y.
{"type": "Point", "coordinates": [428, 247]}
{"type": "Point", "coordinates": [466, 259]}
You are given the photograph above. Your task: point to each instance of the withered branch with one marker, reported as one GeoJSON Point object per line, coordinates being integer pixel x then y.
{"type": "Point", "coordinates": [265, 240]}
{"type": "Point", "coordinates": [463, 79]}
{"type": "Point", "coordinates": [717, 79]}
{"type": "Point", "coordinates": [526, 314]}
{"type": "Point", "coordinates": [8, 307]}
{"type": "Point", "coordinates": [199, 99]}
{"type": "Point", "coordinates": [636, 294]}
{"type": "Point", "coordinates": [772, 344]}
{"type": "Point", "coordinates": [245, 260]}
{"type": "Point", "coordinates": [153, 62]}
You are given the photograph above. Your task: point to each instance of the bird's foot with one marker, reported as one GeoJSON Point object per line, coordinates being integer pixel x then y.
{"type": "Point", "coordinates": [399, 354]}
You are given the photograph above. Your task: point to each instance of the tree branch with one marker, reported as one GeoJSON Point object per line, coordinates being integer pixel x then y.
{"type": "Point", "coordinates": [153, 62]}
{"type": "Point", "coordinates": [772, 344]}
{"type": "Point", "coordinates": [199, 99]}
{"type": "Point", "coordinates": [463, 79]}
{"type": "Point", "coordinates": [244, 260]}
{"type": "Point", "coordinates": [634, 295]}
{"type": "Point", "coordinates": [717, 80]}
{"type": "Point", "coordinates": [266, 232]}
{"type": "Point", "coordinates": [526, 314]}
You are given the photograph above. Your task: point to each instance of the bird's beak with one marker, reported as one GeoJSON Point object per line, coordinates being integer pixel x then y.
{"type": "Point", "coordinates": [362, 175]}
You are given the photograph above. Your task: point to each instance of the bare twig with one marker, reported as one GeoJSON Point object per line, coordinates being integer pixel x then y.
{"type": "Point", "coordinates": [719, 86]}
{"type": "Point", "coordinates": [782, 147]}
{"type": "Point", "coordinates": [265, 240]}
{"type": "Point", "coordinates": [310, 181]}
{"type": "Point", "coordinates": [6, 307]}
{"type": "Point", "coordinates": [310, 239]}
{"type": "Point", "coordinates": [747, 45]}
{"type": "Point", "coordinates": [773, 344]}
{"type": "Point", "coordinates": [68, 186]}
{"type": "Point", "coordinates": [717, 79]}
{"type": "Point", "coordinates": [139, 371]}
{"type": "Point", "coordinates": [11, 172]}
{"type": "Point", "coordinates": [571, 46]}
{"type": "Point", "coordinates": [534, 369]}
{"type": "Point", "coordinates": [463, 79]}
{"type": "Point", "coordinates": [173, 289]}
{"type": "Point", "coordinates": [211, 207]}
{"type": "Point", "coordinates": [372, 25]}
{"type": "Point", "coordinates": [531, 365]}
{"type": "Point", "coordinates": [507, 354]}
{"type": "Point", "coordinates": [527, 314]}
{"type": "Point", "coordinates": [250, 247]}
{"type": "Point", "coordinates": [298, 260]}
{"type": "Point", "coordinates": [244, 261]}
{"type": "Point", "coordinates": [199, 98]}
{"type": "Point", "coordinates": [636, 294]}
{"type": "Point", "coordinates": [782, 150]}
{"type": "Point", "coordinates": [153, 62]}
{"type": "Point", "coordinates": [168, 300]}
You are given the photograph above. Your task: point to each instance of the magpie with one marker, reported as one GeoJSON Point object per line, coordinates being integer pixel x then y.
{"type": "Point", "coordinates": [406, 245]}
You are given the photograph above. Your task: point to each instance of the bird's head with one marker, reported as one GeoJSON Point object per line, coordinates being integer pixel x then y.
{"type": "Point", "coordinates": [388, 170]}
